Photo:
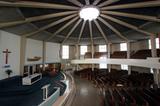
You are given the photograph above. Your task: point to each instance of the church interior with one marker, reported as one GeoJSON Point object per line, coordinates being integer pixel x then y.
{"type": "Point", "coordinates": [79, 53]}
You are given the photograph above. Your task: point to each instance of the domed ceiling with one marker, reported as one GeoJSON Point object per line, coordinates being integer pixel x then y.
{"type": "Point", "coordinates": [59, 20]}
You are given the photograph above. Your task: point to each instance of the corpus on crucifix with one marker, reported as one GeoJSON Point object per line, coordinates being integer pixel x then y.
{"type": "Point", "coordinates": [6, 54]}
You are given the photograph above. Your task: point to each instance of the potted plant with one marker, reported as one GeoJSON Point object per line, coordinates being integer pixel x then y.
{"type": "Point", "coordinates": [8, 72]}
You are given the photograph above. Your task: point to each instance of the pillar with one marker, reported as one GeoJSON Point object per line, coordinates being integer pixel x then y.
{"type": "Point", "coordinates": [128, 56]}
{"type": "Point", "coordinates": [159, 39]}
{"type": "Point", "coordinates": [92, 51]}
{"type": "Point", "coordinates": [128, 50]}
{"type": "Point", "coordinates": [60, 52]}
{"type": "Point", "coordinates": [60, 56]}
{"type": "Point", "coordinates": [77, 54]}
{"type": "Point", "coordinates": [153, 46]}
{"type": "Point", "coordinates": [109, 49]}
{"type": "Point", "coordinates": [22, 54]}
{"type": "Point", "coordinates": [156, 75]}
{"type": "Point", "coordinates": [109, 56]}
{"type": "Point", "coordinates": [44, 55]}
{"type": "Point", "coordinates": [154, 54]}
{"type": "Point", "coordinates": [33, 68]}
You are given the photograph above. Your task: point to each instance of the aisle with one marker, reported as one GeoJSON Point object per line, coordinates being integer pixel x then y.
{"type": "Point", "coordinates": [86, 94]}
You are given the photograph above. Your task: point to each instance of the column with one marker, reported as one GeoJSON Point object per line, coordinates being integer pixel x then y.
{"type": "Point", "coordinates": [77, 51]}
{"type": "Point", "coordinates": [159, 39]}
{"type": "Point", "coordinates": [60, 56]}
{"type": "Point", "coordinates": [77, 54]}
{"type": "Point", "coordinates": [109, 49]}
{"type": "Point", "coordinates": [33, 68]}
{"type": "Point", "coordinates": [60, 52]}
{"type": "Point", "coordinates": [154, 54]}
{"type": "Point", "coordinates": [92, 51]}
{"type": "Point", "coordinates": [128, 56]}
{"type": "Point", "coordinates": [22, 54]}
{"type": "Point", "coordinates": [109, 56]}
{"type": "Point", "coordinates": [156, 77]}
{"type": "Point", "coordinates": [153, 46]}
{"type": "Point", "coordinates": [44, 55]}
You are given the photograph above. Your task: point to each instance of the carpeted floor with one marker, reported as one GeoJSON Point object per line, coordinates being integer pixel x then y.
{"type": "Point", "coordinates": [13, 93]}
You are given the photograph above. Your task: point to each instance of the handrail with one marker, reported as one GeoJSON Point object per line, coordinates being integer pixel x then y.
{"type": "Point", "coordinates": [67, 97]}
{"type": "Point", "coordinates": [149, 62]}
{"type": "Point", "coordinates": [69, 100]}
{"type": "Point", "coordinates": [50, 100]}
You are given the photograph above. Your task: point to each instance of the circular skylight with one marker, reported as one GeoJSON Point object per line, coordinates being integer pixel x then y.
{"type": "Point", "coordinates": [89, 13]}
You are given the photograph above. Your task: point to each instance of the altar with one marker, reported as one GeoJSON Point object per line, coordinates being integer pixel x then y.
{"type": "Point", "coordinates": [31, 79]}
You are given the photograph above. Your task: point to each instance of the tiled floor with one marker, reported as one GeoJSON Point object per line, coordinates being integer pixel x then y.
{"type": "Point", "coordinates": [87, 94]}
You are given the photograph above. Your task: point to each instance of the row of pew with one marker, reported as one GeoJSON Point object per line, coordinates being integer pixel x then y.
{"type": "Point", "coordinates": [131, 97]}
{"type": "Point", "coordinates": [116, 77]}
{"type": "Point", "coordinates": [117, 88]}
{"type": "Point", "coordinates": [140, 54]}
{"type": "Point", "coordinates": [121, 77]}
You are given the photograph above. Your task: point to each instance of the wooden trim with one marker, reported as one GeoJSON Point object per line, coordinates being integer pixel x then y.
{"type": "Point", "coordinates": [50, 25]}
{"type": "Point", "coordinates": [155, 3]}
{"type": "Point", "coordinates": [130, 15]}
{"type": "Point", "coordinates": [35, 18]}
{"type": "Point", "coordinates": [101, 31]}
{"type": "Point", "coordinates": [71, 31]}
{"type": "Point", "coordinates": [62, 28]}
{"type": "Point", "coordinates": [108, 2]}
{"type": "Point", "coordinates": [112, 28]}
{"type": "Point", "coordinates": [81, 31]}
{"type": "Point", "coordinates": [126, 24]}
{"type": "Point", "coordinates": [31, 4]}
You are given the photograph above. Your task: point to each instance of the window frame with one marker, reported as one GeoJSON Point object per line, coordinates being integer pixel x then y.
{"type": "Point", "coordinates": [83, 50]}
{"type": "Point", "coordinates": [123, 46]}
{"type": "Point", "coordinates": [65, 52]}
{"type": "Point", "coordinates": [156, 42]}
{"type": "Point", "coordinates": [102, 46]}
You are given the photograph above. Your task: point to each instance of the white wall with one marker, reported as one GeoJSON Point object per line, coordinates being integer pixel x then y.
{"type": "Point", "coordinates": [12, 43]}
{"type": "Point", "coordinates": [143, 44]}
{"type": "Point", "coordinates": [52, 52]}
{"type": "Point", "coordinates": [33, 48]}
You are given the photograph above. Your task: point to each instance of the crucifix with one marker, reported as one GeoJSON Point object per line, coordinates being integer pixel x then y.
{"type": "Point", "coordinates": [7, 53]}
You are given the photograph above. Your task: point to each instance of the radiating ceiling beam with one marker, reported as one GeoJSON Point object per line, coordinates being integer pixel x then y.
{"type": "Point", "coordinates": [76, 2]}
{"type": "Point", "coordinates": [130, 15]}
{"type": "Point", "coordinates": [91, 32]}
{"type": "Point", "coordinates": [108, 2]}
{"type": "Point", "coordinates": [96, 2]}
{"type": "Point", "coordinates": [87, 2]}
{"type": "Point", "coordinates": [154, 3]}
{"type": "Point", "coordinates": [81, 31]}
{"type": "Point", "coordinates": [50, 25]}
{"type": "Point", "coordinates": [126, 25]}
{"type": "Point", "coordinates": [112, 28]}
{"type": "Point", "coordinates": [101, 31]}
{"type": "Point", "coordinates": [35, 18]}
{"type": "Point", "coordinates": [71, 31]}
{"type": "Point", "coordinates": [31, 4]}
{"type": "Point", "coordinates": [62, 28]}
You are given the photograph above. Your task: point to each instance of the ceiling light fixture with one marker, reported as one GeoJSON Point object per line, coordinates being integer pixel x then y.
{"type": "Point", "coordinates": [89, 13]}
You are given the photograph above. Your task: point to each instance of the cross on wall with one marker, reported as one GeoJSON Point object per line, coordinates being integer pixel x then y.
{"type": "Point", "coordinates": [6, 52]}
